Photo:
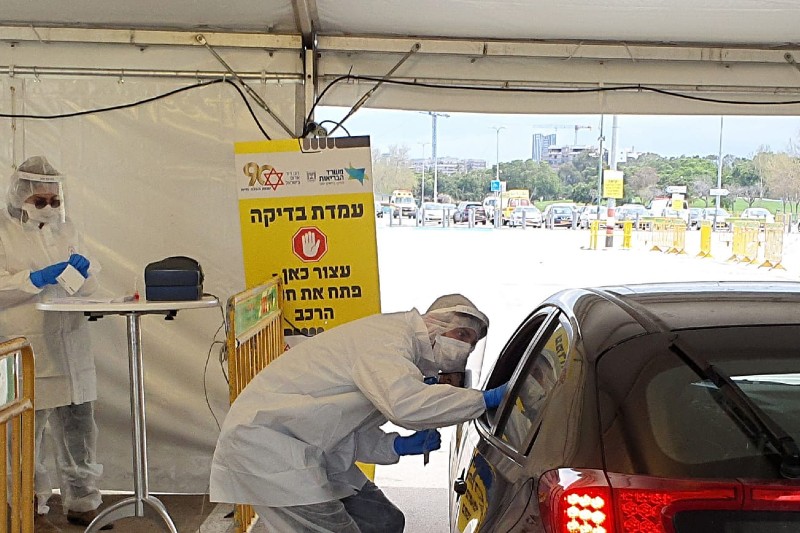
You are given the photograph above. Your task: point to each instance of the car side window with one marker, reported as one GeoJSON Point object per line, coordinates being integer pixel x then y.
{"type": "Point", "coordinates": [528, 396]}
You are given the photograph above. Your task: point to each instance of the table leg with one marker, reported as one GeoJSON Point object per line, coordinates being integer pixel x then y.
{"type": "Point", "coordinates": [135, 506]}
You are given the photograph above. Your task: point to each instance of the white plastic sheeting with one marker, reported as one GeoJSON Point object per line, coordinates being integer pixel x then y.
{"type": "Point", "coordinates": [143, 184]}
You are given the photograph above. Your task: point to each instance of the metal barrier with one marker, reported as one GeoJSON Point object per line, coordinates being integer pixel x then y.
{"type": "Point", "coordinates": [594, 229]}
{"type": "Point", "coordinates": [745, 241]}
{"type": "Point", "coordinates": [773, 246]}
{"type": "Point", "coordinates": [660, 235]}
{"type": "Point", "coordinates": [627, 228]}
{"type": "Point", "coordinates": [705, 239]}
{"type": "Point", "coordinates": [255, 339]}
{"type": "Point", "coordinates": [677, 230]}
{"type": "Point", "coordinates": [17, 422]}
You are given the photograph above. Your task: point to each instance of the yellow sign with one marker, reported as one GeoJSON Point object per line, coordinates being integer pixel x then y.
{"type": "Point", "coordinates": [474, 503]}
{"type": "Point", "coordinates": [307, 214]}
{"type": "Point", "coordinates": [612, 184]}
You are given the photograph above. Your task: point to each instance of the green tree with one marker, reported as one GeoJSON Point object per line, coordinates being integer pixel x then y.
{"type": "Point", "coordinates": [391, 170]}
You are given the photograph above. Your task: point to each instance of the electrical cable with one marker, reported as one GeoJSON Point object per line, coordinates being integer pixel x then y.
{"type": "Point", "coordinates": [339, 124]}
{"type": "Point", "coordinates": [145, 101]}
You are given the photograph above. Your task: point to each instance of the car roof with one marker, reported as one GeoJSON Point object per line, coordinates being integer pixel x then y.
{"type": "Point", "coordinates": [606, 316]}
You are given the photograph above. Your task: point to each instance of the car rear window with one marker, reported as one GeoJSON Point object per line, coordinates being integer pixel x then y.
{"type": "Point", "coordinates": [658, 417]}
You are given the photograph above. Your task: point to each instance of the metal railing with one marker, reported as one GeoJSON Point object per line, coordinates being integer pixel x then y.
{"type": "Point", "coordinates": [17, 375]}
{"type": "Point", "coordinates": [255, 339]}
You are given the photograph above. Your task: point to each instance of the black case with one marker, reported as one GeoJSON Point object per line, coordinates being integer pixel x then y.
{"type": "Point", "coordinates": [173, 278]}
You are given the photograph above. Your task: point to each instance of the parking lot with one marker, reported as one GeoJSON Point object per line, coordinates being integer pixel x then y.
{"type": "Point", "coordinates": [507, 272]}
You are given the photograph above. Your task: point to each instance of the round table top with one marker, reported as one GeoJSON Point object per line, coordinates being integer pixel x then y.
{"type": "Point", "coordinates": [110, 307]}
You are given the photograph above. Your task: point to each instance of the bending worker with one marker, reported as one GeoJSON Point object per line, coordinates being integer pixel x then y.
{"type": "Point", "coordinates": [289, 443]}
{"type": "Point", "coordinates": [37, 244]}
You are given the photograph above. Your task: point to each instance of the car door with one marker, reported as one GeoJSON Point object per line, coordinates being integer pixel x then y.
{"type": "Point", "coordinates": [491, 489]}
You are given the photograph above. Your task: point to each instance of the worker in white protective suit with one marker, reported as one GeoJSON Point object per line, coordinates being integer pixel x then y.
{"type": "Point", "coordinates": [289, 443]}
{"type": "Point", "coordinates": [37, 244]}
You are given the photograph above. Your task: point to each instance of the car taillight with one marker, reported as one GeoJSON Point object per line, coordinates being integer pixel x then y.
{"type": "Point", "coordinates": [591, 501]}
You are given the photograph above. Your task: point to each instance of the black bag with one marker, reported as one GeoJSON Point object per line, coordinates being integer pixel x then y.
{"type": "Point", "coordinates": [173, 278]}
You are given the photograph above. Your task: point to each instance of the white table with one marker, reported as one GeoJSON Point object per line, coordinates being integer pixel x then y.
{"type": "Point", "coordinates": [135, 505]}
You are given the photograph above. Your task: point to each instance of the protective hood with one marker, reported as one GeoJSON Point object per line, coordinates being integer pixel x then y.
{"type": "Point", "coordinates": [34, 176]}
{"type": "Point", "coordinates": [449, 312]}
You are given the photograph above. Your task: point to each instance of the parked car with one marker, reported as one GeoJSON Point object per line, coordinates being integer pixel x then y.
{"type": "Point", "coordinates": [528, 215]}
{"type": "Point", "coordinates": [436, 212]}
{"type": "Point", "coordinates": [695, 217]}
{"type": "Point", "coordinates": [461, 213]}
{"type": "Point", "coordinates": [588, 213]}
{"type": "Point", "coordinates": [633, 212]}
{"type": "Point", "coordinates": [713, 214]}
{"type": "Point", "coordinates": [758, 213]}
{"type": "Point", "coordinates": [558, 215]}
{"type": "Point", "coordinates": [665, 408]}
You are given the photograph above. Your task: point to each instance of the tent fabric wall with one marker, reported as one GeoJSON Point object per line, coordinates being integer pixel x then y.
{"type": "Point", "coordinates": [146, 183]}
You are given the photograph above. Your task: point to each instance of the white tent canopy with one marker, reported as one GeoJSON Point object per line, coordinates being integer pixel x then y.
{"type": "Point", "coordinates": [158, 179]}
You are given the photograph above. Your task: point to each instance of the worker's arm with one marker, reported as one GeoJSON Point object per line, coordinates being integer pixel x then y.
{"type": "Point", "coordinates": [375, 446]}
{"type": "Point", "coordinates": [395, 387]}
{"type": "Point", "coordinates": [15, 287]}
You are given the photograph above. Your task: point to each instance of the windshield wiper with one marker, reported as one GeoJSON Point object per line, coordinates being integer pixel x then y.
{"type": "Point", "coordinates": [746, 413]}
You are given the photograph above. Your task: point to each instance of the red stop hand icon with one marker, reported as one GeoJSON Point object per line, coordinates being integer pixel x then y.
{"type": "Point", "coordinates": [309, 244]}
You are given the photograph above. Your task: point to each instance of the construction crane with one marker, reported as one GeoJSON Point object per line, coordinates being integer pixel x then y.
{"type": "Point", "coordinates": [557, 127]}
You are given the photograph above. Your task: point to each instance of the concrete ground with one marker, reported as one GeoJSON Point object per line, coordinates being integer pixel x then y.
{"type": "Point", "coordinates": [506, 272]}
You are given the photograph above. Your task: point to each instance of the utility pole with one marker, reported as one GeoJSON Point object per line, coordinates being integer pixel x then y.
{"type": "Point", "coordinates": [498, 206]}
{"type": "Point", "coordinates": [422, 186]}
{"type": "Point", "coordinates": [434, 116]}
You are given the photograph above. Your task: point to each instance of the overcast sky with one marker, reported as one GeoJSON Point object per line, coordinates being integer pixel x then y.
{"type": "Point", "coordinates": [472, 135]}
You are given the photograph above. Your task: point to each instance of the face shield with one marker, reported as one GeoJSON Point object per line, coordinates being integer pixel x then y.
{"type": "Point", "coordinates": [36, 192]}
{"type": "Point", "coordinates": [446, 314]}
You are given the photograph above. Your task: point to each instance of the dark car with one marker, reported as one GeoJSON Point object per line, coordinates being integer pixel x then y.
{"type": "Point", "coordinates": [463, 209]}
{"type": "Point", "coordinates": [664, 408]}
{"type": "Point", "coordinates": [558, 215]}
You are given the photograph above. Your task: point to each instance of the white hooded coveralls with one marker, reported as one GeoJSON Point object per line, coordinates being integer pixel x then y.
{"type": "Point", "coordinates": [293, 435]}
{"type": "Point", "coordinates": [65, 371]}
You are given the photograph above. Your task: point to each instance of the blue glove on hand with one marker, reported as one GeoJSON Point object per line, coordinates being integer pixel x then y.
{"type": "Point", "coordinates": [493, 397]}
{"type": "Point", "coordinates": [418, 443]}
{"type": "Point", "coordinates": [47, 275]}
{"type": "Point", "coordinates": [432, 380]}
{"type": "Point", "coordinates": [80, 263]}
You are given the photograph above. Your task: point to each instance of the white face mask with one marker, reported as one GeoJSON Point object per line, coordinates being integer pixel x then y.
{"type": "Point", "coordinates": [45, 214]}
{"type": "Point", "coordinates": [450, 354]}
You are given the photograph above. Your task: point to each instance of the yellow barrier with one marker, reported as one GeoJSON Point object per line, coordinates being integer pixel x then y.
{"type": "Point", "coordinates": [677, 230]}
{"type": "Point", "coordinates": [255, 339]}
{"type": "Point", "coordinates": [705, 239]}
{"type": "Point", "coordinates": [627, 228]}
{"type": "Point", "coordinates": [745, 241]}
{"type": "Point", "coordinates": [773, 246]}
{"type": "Point", "coordinates": [17, 413]}
{"type": "Point", "coordinates": [594, 229]}
{"type": "Point", "coordinates": [660, 235]}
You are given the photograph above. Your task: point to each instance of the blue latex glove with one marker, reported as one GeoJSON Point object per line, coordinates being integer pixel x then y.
{"type": "Point", "coordinates": [418, 443]}
{"type": "Point", "coordinates": [493, 397]}
{"type": "Point", "coordinates": [80, 263]}
{"type": "Point", "coordinates": [432, 380]}
{"type": "Point", "coordinates": [47, 275]}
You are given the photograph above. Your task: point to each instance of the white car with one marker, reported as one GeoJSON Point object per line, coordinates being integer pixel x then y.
{"type": "Point", "coordinates": [435, 212]}
{"type": "Point", "coordinates": [589, 214]}
{"type": "Point", "coordinates": [716, 216]}
{"type": "Point", "coordinates": [528, 215]}
{"type": "Point", "coordinates": [758, 213]}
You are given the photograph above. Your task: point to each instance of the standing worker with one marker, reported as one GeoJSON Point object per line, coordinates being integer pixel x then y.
{"type": "Point", "coordinates": [37, 244]}
{"type": "Point", "coordinates": [290, 441]}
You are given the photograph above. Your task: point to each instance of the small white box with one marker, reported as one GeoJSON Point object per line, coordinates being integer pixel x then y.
{"type": "Point", "coordinates": [71, 280]}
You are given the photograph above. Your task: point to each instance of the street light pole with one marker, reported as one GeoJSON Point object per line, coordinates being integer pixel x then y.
{"type": "Point", "coordinates": [498, 206]}
{"type": "Point", "coordinates": [435, 156]}
{"type": "Point", "coordinates": [422, 187]}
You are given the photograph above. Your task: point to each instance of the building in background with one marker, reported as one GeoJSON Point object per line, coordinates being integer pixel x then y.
{"type": "Point", "coordinates": [447, 165]}
{"type": "Point", "coordinates": [541, 145]}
